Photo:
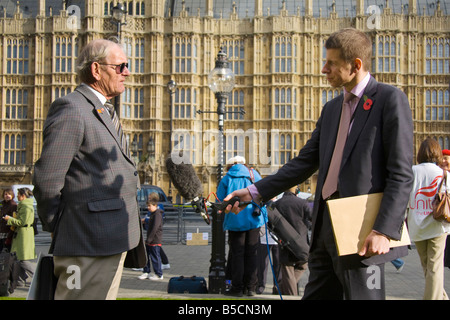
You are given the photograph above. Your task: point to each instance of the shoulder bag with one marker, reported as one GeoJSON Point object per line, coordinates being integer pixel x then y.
{"type": "Point", "coordinates": [441, 202]}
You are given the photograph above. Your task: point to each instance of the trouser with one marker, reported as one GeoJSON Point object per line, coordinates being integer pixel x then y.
{"type": "Point", "coordinates": [332, 278]}
{"type": "Point", "coordinates": [244, 260]}
{"type": "Point", "coordinates": [88, 278]}
{"type": "Point", "coordinates": [431, 253]}
{"type": "Point", "coordinates": [154, 257]}
{"type": "Point", "coordinates": [27, 270]}
{"type": "Point", "coordinates": [263, 265]}
{"type": "Point", "coordinates": [290, 276]}
{"type": "Point", "coordinates": [164, 258]}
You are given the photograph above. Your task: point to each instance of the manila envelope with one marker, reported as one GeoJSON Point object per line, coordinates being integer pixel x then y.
{"type": "Point", "coordinates": [353, 218]}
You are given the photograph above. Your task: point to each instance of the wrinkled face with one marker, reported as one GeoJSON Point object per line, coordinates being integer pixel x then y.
{"type": "Point", "coordinates": [110, 81]}
{"type": "Point", "coordinates": [339, 72]}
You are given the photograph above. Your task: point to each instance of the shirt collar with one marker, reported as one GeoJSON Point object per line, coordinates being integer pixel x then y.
{"type": "Point", "coordinates": [358, 90]}
{"type": "Point", "coordinates": [101, 97]}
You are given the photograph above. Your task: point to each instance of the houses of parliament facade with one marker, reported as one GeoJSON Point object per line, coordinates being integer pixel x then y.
{"type": "Point", "coordinates": [274, 48]}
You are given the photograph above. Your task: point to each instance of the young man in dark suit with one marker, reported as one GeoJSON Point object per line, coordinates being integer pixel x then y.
{"type": "Point", "coordinates": [86, 183]}
{"type": "Point", "coordinates": [375, 156]}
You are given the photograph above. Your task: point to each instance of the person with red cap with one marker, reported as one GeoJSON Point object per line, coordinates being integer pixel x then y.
{"type": "Point", "coordinates": [445, 164]}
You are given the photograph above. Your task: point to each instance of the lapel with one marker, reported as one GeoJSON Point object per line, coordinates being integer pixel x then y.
{"type": "Point", "coordinates": [103, 115]}
{"type": "Point", "coordinates": [360, 117]}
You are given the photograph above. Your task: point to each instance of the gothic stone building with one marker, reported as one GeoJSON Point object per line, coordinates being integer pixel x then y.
{"type": "Point", "coordinates": [275, 49]}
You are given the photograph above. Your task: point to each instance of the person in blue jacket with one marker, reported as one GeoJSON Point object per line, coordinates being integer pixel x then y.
{"type": "Point", "coordinates": [243, 229]}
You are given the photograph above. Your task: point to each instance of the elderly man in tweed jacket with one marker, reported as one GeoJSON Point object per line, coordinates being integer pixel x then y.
{"type": "Point", "coordinates": [86, 183]}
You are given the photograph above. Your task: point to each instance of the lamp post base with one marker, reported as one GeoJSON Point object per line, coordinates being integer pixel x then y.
{"type": "Point", "coordinates": [216, 282]}
{"type": "Point", "coordinates": [217, 268]}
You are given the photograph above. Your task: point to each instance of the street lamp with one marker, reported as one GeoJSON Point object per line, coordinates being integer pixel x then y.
{"type": "Point", "coordinates": [148, 167]}
{"type": "Point", "coordinates": [221, 81]}
{"type": "Point", "coordinates": [171, 88]}
{"type": "Point", "coordinates": [118, 15]}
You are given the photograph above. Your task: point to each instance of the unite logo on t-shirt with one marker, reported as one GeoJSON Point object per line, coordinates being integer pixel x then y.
{"type": "Point", "coordinates": [424, 197]}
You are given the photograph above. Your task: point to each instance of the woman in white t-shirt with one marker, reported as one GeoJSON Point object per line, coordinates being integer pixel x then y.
{"type": "Point", "coordinates": [428, 234]}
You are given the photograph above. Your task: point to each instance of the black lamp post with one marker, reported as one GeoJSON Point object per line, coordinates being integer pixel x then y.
{"type": "Point", "coordinates": [221, 81]}
{"type": "Point", "coordinates": [171, 88]}
{"type": "Point", "coordinates": [118, 15]}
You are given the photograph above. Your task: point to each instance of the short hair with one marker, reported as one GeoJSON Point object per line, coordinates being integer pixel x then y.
{"type": "Point", "coordinates": [429, 151]}
{"type": "Point", "coordinates": [153, 199]}
{"type": "Point", "coordinates": [95, 51]}
{"type": "Point", "coordinates": [352, 44]}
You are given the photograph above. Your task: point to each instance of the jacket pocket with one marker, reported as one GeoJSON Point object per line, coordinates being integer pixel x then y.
{"type": "Point", "coordinates": [106, 205]}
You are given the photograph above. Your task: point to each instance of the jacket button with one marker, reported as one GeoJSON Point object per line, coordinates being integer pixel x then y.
{"type": "Point", "coordinates": [135, 173]}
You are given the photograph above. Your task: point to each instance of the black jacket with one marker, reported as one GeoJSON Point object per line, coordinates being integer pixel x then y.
{"type": "Point", "coordinates": [155, 232]}
{"type": "Point", "coordinates": [298, 213]}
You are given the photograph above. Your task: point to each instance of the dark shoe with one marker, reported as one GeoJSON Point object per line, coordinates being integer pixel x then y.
{"type": "Point", "coordinates": [250, 293]}
{"type": "Point", "coordinates": [233, 293]}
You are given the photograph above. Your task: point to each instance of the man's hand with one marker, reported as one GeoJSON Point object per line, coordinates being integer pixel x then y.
{"type": "Point", "coordinates": [243, 195]}
{"type": "Point", "coordinates": [375, 243]}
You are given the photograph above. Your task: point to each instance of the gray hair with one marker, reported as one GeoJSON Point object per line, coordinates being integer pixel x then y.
{"type": "Point", "coordinates": [95, 51]}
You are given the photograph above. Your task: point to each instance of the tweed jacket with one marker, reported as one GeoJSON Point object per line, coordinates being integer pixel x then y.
{"type": "Point", "coordinates": [85, 184]}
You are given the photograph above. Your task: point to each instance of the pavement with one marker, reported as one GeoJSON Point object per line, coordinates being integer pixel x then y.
{"type": "Point", "coordinates": [189, 260]}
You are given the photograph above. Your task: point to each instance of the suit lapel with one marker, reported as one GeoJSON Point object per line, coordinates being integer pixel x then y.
{"type": "Point", "coordinates": [103, 115]}
{"type": "Point", "coordinates": [360, 117]}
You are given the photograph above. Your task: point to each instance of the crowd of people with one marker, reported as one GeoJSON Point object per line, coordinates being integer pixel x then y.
{"type": "Point", "coordinates": [17, 232]}
{"type": "Point", "coordinates": [362, 144]}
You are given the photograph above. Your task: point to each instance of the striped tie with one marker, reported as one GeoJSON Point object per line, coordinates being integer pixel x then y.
{"type": "Point", "coordinates": [116, 123]}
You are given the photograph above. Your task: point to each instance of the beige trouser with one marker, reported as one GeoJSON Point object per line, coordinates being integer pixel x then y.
{"type": "Point", "coordinates": [290, 276]}
{"type": "Point", "coordinates": [88, 278]}
{"type": "Point", "coordinates": [431, 253]}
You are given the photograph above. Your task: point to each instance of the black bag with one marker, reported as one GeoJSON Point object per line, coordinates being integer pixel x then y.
{"type": "Point", "coordinates": [290, 238]}
{"type": "Point", "coordinates": [9, 273]}
{"type": "Point", "coordinates": [44, 281]}
{"type": "Point", "coordinates": [187, 285]}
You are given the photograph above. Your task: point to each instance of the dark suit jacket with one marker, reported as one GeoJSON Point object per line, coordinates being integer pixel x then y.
{"type": "Point", "coordinates": [85, 185]}
{"type": "Point", "coordinates": [377, 156]}
{"type": "Point", "coordinates": [298, 213]}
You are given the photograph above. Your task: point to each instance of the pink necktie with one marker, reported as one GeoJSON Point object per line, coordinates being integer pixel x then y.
{"type": "Point", "coordinates": [331, 182]}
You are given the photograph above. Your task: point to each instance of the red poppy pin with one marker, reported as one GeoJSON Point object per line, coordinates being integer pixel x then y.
{"type": "Point", "coordinates": [367, 103]}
